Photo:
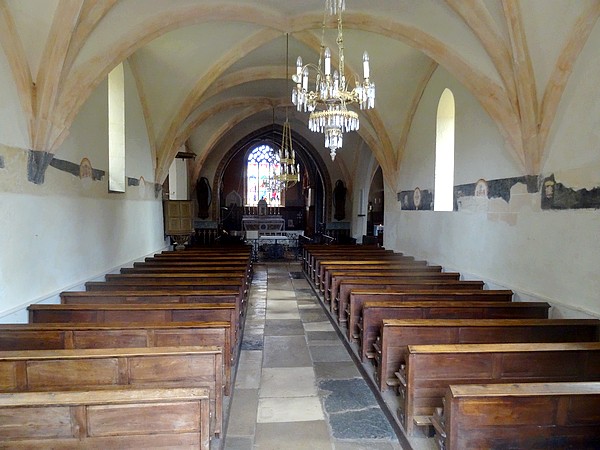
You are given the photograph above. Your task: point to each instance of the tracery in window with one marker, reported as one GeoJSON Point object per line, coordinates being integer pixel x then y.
{"type": "Point", "coordinates": [261, 167]}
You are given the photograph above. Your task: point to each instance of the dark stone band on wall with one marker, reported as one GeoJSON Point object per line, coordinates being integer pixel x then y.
{"type": "Point", "coordinates": [416, 200]}
{"type": "Point", "coordinates": [553, 194]}
{"type": "Point", "coordinates": [556, 195]}
{"type": "Point", "coordinates": [74, 169]}
{"type": "Point", "coordinates": [37, 163]}
{"type": "Point", "coordinates": [498, 188]}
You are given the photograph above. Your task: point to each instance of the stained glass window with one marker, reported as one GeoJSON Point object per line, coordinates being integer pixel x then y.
{"type": "Point", "coordinates": [261, 168]}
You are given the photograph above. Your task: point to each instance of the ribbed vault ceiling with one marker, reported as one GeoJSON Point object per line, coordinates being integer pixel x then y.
{"type": "Point", "coordinates": [210, 72]}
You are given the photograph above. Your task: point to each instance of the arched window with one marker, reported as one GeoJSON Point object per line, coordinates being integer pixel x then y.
{"type": "Point", "coordinates": [444, 154]}
{"type": "Point", "coordinates": [261, 167]}
{"type": "Point", "coordinates": [116, 129]}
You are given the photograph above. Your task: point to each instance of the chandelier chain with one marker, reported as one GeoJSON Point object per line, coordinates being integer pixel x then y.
{"type": "Point", "coordinates": [327, 104]}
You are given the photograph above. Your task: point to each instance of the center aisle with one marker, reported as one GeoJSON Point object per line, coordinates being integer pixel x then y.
{"type": "Point", "coordinates": [296, 386]}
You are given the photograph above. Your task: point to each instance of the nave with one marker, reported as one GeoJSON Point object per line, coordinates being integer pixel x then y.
{"type": "Point", "coordinates": [296, 385]}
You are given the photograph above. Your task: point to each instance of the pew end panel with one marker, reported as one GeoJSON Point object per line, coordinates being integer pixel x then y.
{"type": "Point", "coordinates": [523, 415]}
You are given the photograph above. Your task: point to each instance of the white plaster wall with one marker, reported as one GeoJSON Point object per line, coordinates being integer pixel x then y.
{"type": "Point", "coordinates": [69, 230]}
{"type": "Point", "coordinates": [542, 255]}
{"type": "Point", "coordinates": [550, 256]}
{"type": "Point", "coordinates": [476, 138]}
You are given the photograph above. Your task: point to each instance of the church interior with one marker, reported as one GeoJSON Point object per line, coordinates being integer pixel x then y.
{"type": "Point", "coordinates": [278, 161]}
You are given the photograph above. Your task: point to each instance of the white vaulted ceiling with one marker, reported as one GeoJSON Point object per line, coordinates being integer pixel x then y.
{"type": "Point", "coordinates": [216, 69]}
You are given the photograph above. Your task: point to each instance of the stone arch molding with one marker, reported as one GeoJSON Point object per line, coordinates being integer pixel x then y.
{"type": "Point", "coordinates": [70, 71]}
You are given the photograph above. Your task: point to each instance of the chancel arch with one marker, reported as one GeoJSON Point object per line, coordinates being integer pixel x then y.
{"type": "Point", "coordinates": [308, 204]}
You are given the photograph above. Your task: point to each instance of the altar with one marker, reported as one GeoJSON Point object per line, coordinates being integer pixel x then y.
{"type": "Point", "coordinates": [263, 224]}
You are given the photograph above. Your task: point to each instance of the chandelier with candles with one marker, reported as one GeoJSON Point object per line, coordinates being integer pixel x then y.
{"type": "Point", "coordinates": [289, 170]}
{"type": "Point", "coordinates": [328, 103]}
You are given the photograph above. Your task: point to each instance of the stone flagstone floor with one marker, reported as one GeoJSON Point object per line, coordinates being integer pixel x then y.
{"type": "Point", "coordinates": [296, 386]}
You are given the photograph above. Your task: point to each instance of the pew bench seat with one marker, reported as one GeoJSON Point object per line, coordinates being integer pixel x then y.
{"type": "Point", "coordinates": [120, 418]}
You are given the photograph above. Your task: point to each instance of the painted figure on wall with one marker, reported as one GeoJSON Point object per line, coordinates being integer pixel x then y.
{"type": "Point", "coordinates": [339, 200]}
{"type": "Point", "coordinates": [204, 195]}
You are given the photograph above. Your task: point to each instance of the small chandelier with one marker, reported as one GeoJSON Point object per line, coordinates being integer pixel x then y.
{"type": "Point", "coordinates": [289, 171]}
{"type": "Point", "coordinates": [327, 104]}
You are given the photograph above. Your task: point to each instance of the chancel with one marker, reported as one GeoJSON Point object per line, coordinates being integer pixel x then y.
{"type": "Point", "coordinates": [254, 250]}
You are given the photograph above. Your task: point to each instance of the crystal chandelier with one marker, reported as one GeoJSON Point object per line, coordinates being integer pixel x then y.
{"type": "Point", "coordinates": [289, 172]}
{"type": "Point", "coordinates": [327, 104]}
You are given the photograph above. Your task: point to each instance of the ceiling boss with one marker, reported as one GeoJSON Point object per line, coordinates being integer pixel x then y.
{"type": "Point", "coordinates": [327, 104]}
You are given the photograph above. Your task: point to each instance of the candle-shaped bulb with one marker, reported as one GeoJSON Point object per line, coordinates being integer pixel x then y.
{"type": "Point", "coordinates": [299, 66]}
{"type": "Point", "coordinates": [366, 70]}
{"type": "Point", "coordinates": [305, 79]}
{"type": "Point", "coordinates": [327, 61]}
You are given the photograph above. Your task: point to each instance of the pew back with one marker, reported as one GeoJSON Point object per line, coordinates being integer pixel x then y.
{"type": "Point", "coordinates": [131, 418]}
{"type": "Point", "coordinates": [60, 370]}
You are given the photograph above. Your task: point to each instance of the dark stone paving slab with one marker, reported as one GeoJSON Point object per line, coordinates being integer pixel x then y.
{"type": "Point", "coordinates": [365, 424]}
{"type": "Point", "coordinates": [367, 444]}
{"type": "Point", "coordinates": [284, 327]}
{"type": "Point", "coordinates": [297, 275]}
{"type": "Point", "coordinates": [252, 342]}
{"type": "Point", "coordinates": [347, 395]}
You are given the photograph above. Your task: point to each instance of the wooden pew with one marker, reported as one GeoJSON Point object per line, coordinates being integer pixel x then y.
{"type": "Point", "coordinates": [58, 336]}
{"type": "Point", "coordinates": [384, 371]}
{"type": "Point", "coordinates": [165, 283]}
{"type": "Point", "coordinates": [348, 257]}
{"type": "Point", "coordinates": [525, 415]}
{"type": "Point", "coordinates": [193, 260]}
{"type": "Point", "coordinates": [233, 249]}
{"type": "Point", "coordinates": [151, 296]}
{"type": "Point", "coordinates": [340, 306]}
{"type": "Point", "coordinates": [371, 270]}
{"type": "Point", "coordinates": [312, 251]}
{"type": "Point", "coordinates": [351, 254]}
{"type": "Point", "coordinates": [209, 267]}
{"type": "Point", "coordinates": [383, 261]}
{"type": "Point", "coordinates": [430, 369]}
{"type": "Point", "coordinates": [182, 276]}
{"type": "Point", "coordinates": [367, 309]}
{"type": "Point", "coordinates": [150, 313]}
{"type": "Point", "coordinates": [383, 276]}
{"type": "Point", "coordinates": [86, 370]}
{"type": "Point", "coordinates": [154, 297]}
{"type": "Point", "coordinates": [120, 418]}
